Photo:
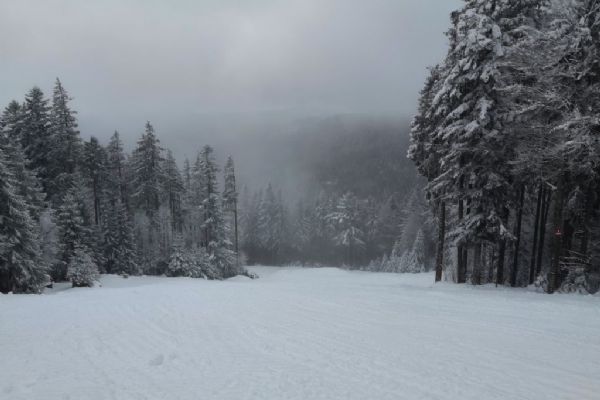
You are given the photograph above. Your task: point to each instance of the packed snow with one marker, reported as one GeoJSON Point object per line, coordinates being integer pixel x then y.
{"type": "Point", "coordinates": [298, 334]}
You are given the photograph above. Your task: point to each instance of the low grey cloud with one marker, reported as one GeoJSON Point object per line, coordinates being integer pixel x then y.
{"type": "Point", "coordinates": [127, 61]}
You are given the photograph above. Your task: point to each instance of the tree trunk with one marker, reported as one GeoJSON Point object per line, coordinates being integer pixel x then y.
{"type": "Point", "coordinates": [545, 208]}
{"type": "Point", "coordinates": [502, 252]}
{"type": "Point", "coordinates": [439, 259]}
{"type": "Point", "coordinates": [535, 234]}
{"type": "Point", "coordinates": [515, 266]}
{"type": "Point", "coordinates": [460, 270]}
{"type": "Point", "coordinates": [235, 224]}
{"type": "Point", "coordinates": [585, 237]}
{"type": "Point", "coordinates": [557, 238]}
{"type": "Point", "coordinates": [476, 275]}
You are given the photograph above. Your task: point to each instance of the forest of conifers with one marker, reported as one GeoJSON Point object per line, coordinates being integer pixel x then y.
{"type": "Point", "coordinates": [507, 137]}
{"type": "Point", "coordinates": [73, 208]}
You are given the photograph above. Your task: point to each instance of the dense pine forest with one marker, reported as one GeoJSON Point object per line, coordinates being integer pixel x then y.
{"type": "Point", "coordinates": [73, 209]}
{"type": "Point", "coordinates": [507, 137]}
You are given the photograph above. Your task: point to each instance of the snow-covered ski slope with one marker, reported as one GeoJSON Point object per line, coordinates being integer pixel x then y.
{"type": "Point", "coordinates": [298, 334]}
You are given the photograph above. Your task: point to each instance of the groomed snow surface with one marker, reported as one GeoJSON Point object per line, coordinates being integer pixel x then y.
{"type": "Point", "coordinates": [298, 334]}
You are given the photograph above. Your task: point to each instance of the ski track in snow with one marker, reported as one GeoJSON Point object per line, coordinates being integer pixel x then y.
{"type": "Point", "coordinates": [298, 334]}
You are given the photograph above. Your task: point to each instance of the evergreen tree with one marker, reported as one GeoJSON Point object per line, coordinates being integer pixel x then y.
{"type": "Point", "coordinates": [119, 244]}
{"type": "Point", "coordinates": [174, 191]}
{"type": "Point", "coordinates": [230, 199]}
{"type": "Point", "coordinates": [36, 138]}
{"type": "Point", "coordinates": [74, 233]}
{"type": "Point", "coordinates": [81, 269]}
{"type": "Point", "coordinates": [213, 224]}
{"type": "Point", "coordinates": [65, 153]}
{"type": "Point", "coordinates": [11, 122]}
{"type": "Point", "coordinates": [26, 182]}
{"type": "Point", "coordinates": [179, 262]}
{"type": "Point", "coordinates": [95, 171]}
{"type": "Point", "coordinates": [148, 174]}
{"type": "Point", "coordinates": [349, 236]}
{"type": "Point", "coordinates": [21, 266]}
{"type": "Point", "coordinates": [116, 163]}
{"type": "Point", "coordinates": [270, 225]}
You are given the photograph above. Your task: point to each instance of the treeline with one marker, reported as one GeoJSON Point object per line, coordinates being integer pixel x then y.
{"type": "Point", "coordinates": [356, 204]}
{"type": "Point", "coordinates": [72, 209]}
{"type": "Point", "coordinates": [391, 234]}
{"type": "Point", "coordinates": [507, 137]}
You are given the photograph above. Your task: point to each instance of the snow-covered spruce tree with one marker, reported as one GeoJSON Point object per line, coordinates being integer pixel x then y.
{"type": "Point", "coordinates": [193, 198]}
{"type": "Point", "coordinates": [81, 268]}
{"type": "Point", "coordinates": [269, 226]}
{"type": "Point", "coordinates": [213, 225]}
{"type": "Point", "coordinates": [180, 263]}
{"type": "Point", "coordinates": [147, 178]}
{"type": "Point", "coordinates": [416, 261]}
{"type": "Point", "coordinates": [230, 202]}
{"type": "Point", "coordinates": [249, 222]}
{"type": "Point", "coordinates": [148, 173]}
{"type": "Point", "coordinates": [27, 183]}
{"type": "Point", "coordinates": [425, 152]}
{"type": "Point", "coordinates": [74, 230]}
{"type": "Point", "coordinates": [349, 237]}
{"type": "Point", "coordinates": [173, 191]}
{"type": "Point", "coordinates": [12, 121]}
{"type": "Point", "coordinates": [94, 170]}
{"type": "Point", "coordinates": [36, 138]}
{"type": "Point", "coordinates": [116, 164]}
{"type": "Point", "coordinates": [21, 267]}
{"type": "Point", "coordinates": [119, 243]}
{"type": "Point", "coordinates": [65, 152]}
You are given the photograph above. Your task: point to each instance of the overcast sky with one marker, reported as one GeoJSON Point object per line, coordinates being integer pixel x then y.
{"type": "Point", "coordinates": [126, 61]}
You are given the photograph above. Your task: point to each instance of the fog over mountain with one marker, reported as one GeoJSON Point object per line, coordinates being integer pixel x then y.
{"type": "Point", "coordinates": [208, 71]}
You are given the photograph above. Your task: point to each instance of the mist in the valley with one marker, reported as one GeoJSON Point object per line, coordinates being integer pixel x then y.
{"type": "Point", "coordinates": [239, 75]}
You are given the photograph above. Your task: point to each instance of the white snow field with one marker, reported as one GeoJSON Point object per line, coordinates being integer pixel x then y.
{"type": "Point", "coordinates": [298, 334]}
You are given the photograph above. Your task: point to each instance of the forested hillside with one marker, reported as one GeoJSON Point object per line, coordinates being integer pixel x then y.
{"type": "Point", "coordinates": [359, 199]}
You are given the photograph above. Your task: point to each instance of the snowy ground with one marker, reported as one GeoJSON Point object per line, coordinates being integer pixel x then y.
{"type": "Point", "coordinates": [298, 334]}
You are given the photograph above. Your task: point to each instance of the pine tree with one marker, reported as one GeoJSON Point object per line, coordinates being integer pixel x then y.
{"type": "Point", "coordinates": [36, 138]}
{"type": "Point", "coordinates": [21, 265]}
{"type": "Point", "coordinates": [95, 171]}
{"type": "Point", "coordinates": [213, 224]}
{"type": "Point", "coordinates": [119, 244]}
{"type": "Point", "coordinates": [230, 200]}
{"type": "Point", "coordinates": [11, 122]}
{"type": "Point", "coordinates": [74, 233]}
{"type": "Point", "coordinates": [65, 153]}
{"type": "Point", "coordinates": [81, 268]}
{"type": "Point", "coordinates": [27, 183]}
{"type": "Point", "coordinates": [148, 174]}
{"type": "Point", "coordinates": [179, 262]}
{"type": "Point", "coordinates": [174, 191]}
{"type": "Point", "coordinates": [250, 225]}
{"type": "Point", "coordinates": [270, 225]}
{"type": "Point", "coordinates": [345, 220]}
{"type": "Point", "coordinates": [417, 261]}
{"type": "Point", "coordinates": [116, 163]}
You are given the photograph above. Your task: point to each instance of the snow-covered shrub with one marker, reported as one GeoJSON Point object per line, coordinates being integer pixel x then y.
{"type": "Point", "coordinates": [179, 263]}
{"type": "Point", "coordinates": [575, 281]}
{"type": "Point", "coordinates": [541, 282]}
{"type": "Point", "coordinates": [82, 270]}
